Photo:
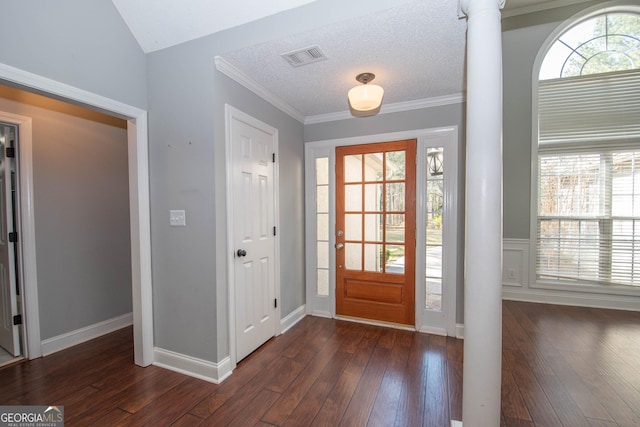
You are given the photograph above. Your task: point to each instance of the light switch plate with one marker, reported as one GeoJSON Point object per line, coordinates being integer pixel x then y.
{"type": "Point", "coordinates": [177, 218]}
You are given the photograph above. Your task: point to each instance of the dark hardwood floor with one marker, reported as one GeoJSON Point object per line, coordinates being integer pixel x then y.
{"type": "Point", "coordinates": [562, 366]}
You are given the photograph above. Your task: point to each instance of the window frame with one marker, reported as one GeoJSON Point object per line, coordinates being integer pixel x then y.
{"type": "Point", "coordinates": [534, 281]}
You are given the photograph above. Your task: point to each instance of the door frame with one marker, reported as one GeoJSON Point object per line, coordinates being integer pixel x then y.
{"type": "Point", "coordinates": [324, 306]}
{"type": "Point", "coordinates": [230, 114]}
{"type": "Point", "coordinates": [139, 201]}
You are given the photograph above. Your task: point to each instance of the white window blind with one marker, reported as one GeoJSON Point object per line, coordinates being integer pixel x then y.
{"type": "Point", "coordinates": [597, 108]}
{"type": "Point", "coordinates": [588, 223]}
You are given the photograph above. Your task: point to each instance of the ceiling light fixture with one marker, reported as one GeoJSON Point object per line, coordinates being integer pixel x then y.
{"type": "Point", "coordinates": [365, 97]}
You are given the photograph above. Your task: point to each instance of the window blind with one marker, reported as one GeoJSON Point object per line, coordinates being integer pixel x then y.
{"type": "Point", "coordinates": [588, 222]}
{"type": "Point", "coordinates": [597, 108]}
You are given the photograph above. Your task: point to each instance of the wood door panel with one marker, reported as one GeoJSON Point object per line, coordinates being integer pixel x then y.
{"type": "Point", "coordinates": [375, 292]}
{"type": "Point", "coordinates": [375, 231]}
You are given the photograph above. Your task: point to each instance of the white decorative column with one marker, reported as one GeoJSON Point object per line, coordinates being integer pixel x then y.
{"type": "Point", "coordinates": [483, 242]}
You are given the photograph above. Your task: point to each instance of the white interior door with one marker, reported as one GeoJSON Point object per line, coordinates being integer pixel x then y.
{"type": "Point", "coordinates": [252, 152]}
{"type": "Point", "coordinates": [9, 333]}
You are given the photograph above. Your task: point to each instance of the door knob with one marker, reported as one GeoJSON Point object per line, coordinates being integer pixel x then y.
{"type": "Point", "coordinates": [339, 246]}
{"type": "Point", "coordinates": [241, 252]}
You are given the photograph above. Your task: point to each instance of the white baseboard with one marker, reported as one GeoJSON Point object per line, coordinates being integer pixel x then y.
{"type": "Point", "coordinates": [432, 331]}
{"type": "Point", "coordinates": [60, 342]}
{"type": "Point", "coordinates": [319, 313]}
{"type": "Point", "coordinates": [455, 423]}
{"type": "Point", "coordinates": [292, 318]}
{"type": "Point", "coordinates": [460, 330]}
{"type": "Point", "coordinates": [581, 299]}
{"type": "Point", "coordinates": [192, 366]}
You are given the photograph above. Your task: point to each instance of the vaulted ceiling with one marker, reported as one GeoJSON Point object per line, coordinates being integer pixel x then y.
{"type": "Point", "coordinates": [416, 48]}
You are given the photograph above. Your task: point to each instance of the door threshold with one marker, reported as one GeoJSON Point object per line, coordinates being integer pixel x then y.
{"type": "Point", "coordinates": [376, 323]}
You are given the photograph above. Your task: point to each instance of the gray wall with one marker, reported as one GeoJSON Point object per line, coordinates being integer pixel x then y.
{"type": "Point", "coordinates": [522, 38]}
{"type": "Point", "coordinates": [448, 115]}
{"type": "Point", "coordinates": [291, 191]}
{"type": "Point", "coordinates": [81, 210]}
{"type": "Point", "coordinates": [82, 43]}
{"type": "Point", "coordinates": [186, 99]}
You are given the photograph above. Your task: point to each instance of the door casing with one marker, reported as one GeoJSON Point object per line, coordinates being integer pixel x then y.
{"type": "Point", "coordinates": [231, 113]}
{"type": "Point", "coordinates": [325, 306]}
{"type": "Point", "coordinates": [139, 199]}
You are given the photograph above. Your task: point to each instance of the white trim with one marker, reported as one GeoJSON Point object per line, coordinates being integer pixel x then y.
{"type": "Point", "coordinates": [580, 299]}
{"type": "Point", "coordinates": [442, 322]}
{"type": "Point", "coordinates": [546, 5]}
{"type": "Point", "coordinates": [69, 339]}
{"type": "Point", "coordinates": [231, 113]}
{"type": "Point", "coordinates": [139, 206]}
{"type": "Point", "coordinates": [515, 262]}
{"type": "Point", "coordinates": [27, 266]}
{"type": "Point", "coordinates": [243, 79]}
{"type": "Point", "coordinates": [292, 318]}
{"type": "Point", "coordinates": [455, 423]}
{"type": "Point", "coordinates": [192, 366]}
{"type": "Point", "coordinates": [432, 330]}
{"type": "Point", "coordinates": [69, 93]}
{"type": "Point", "coordinates": [376, 323]}
{"type": "Point", "coordinates": [516, 256]}
{"type": "Point", "coordinates": [237, 75]}
{"type": "Point", "coordinates": [320, 313]}
{"type": "Point", "coordinates": [460, 331]}
{"type": "Point", "coordinates": [416, 104]}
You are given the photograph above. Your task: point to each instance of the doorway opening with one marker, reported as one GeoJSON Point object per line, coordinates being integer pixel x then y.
{"type": "Point", "coordinates": [11, 304]}
{"type": "Point", "coordinates": [138, 195]}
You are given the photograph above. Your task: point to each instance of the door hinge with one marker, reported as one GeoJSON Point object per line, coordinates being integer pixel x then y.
{"type": "Point", "coordinates": [17, 319]}
{"type": "Point", "coordinates": [13, 236]}
{"type": "Point", "coordinates": [11, 152]}
{"type": "Point", "coordinates": [275, 303]}
{"type": "Point", "coordinates": [274, 230]}
{"type": "Point", "coordinates": [273, 157]}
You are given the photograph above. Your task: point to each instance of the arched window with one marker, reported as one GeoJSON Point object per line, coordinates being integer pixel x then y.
{"type": "Point", "coordinates": [606, 43]}
{"type": "Point", "coordinates": [588, 186]}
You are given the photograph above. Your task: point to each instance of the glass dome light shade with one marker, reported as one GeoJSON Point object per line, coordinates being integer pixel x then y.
{"type": "Point", "coordinates": [365, 97]}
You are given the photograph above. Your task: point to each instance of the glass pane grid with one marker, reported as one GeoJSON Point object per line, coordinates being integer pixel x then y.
{"type": "Point", "coordinates": [375, 211]}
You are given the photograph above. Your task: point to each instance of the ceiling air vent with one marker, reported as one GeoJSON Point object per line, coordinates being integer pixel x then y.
{"type": "Point", "coordinates": [309, 55]}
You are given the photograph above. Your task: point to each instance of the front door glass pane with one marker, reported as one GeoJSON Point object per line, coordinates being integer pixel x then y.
{"type": "Point", "coordinates": [394, 258]}
{"type": "Point", "coordinates": [353, 168]}
{"type": "Point", "coordinates": [373, 167]}
{"type": "Point", "coordinates": [373, 259]}
{"type": "Point", "coordinates": [395, 165]}
{"type": "Point", "coordinates": [435, 210]}
{"type": "Point", "coordinates": [353, 256]}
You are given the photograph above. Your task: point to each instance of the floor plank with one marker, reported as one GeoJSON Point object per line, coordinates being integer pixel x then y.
{"type": "Point", "coordinates": [562, 366]}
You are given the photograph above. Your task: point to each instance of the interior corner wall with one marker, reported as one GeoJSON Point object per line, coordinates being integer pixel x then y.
{"type": "Point", "coordinates": [81, 210]}
{"type": "Point", "coordinates": [427, 118]}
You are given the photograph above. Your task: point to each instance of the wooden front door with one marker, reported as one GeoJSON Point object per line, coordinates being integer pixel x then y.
{"type": "Point", "coordinates": [375, 231]}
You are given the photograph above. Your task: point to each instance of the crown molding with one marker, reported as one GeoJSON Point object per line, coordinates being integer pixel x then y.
{"type": "Point", "coordinates": [396, 107]}
{"type": "Point", "coordinates": [241, 78]}
{"type": "Point", "coordinates": [552, 4]}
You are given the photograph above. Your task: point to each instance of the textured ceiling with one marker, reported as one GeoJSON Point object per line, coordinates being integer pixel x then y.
{"type": "Point", "coordinates": [416, 51]}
